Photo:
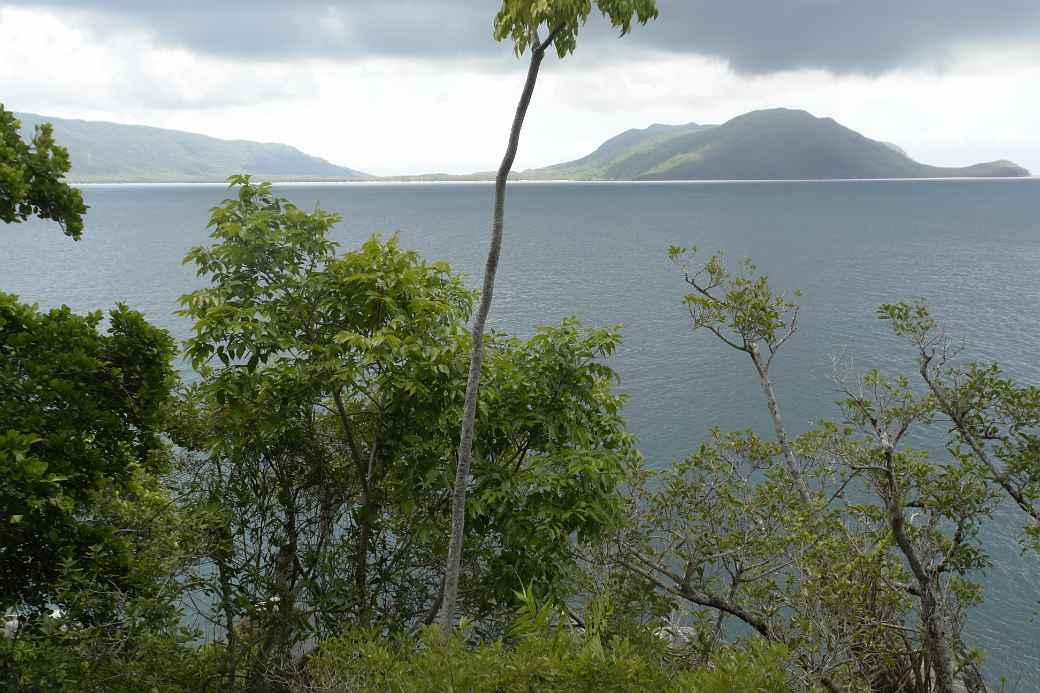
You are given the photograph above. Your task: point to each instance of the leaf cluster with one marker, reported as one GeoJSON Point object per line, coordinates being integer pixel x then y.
{"type": "Point", "coordinates": [540, 655]}
{"type": "Point", "coordinates": [83, 413]}
{"type": "Point", "coordinates": [520, 20]}
{"type": "Point", "coordinates": [31, 178]}
{"type": "Point", "coordinates": [316, 442]}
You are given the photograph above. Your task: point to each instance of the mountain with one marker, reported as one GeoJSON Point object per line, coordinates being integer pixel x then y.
{"type": "Point", "coordinates": [615, 151]}
{"type": "Point", "coordinates": [103, 152]}
{"type": "Point", "coordinates": [776, 144]}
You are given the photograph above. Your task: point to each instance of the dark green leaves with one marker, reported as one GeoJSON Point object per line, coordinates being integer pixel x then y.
{"type": "Point", "coordinates": [31, 179]}
{"type": "Point", "coordinates": [82, 411]}
{"type": "Point", "coordinates": [331, 391]}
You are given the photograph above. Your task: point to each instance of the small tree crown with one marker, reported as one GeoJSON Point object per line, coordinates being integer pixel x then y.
{"type": "Point", "coordinates": [519, 20]}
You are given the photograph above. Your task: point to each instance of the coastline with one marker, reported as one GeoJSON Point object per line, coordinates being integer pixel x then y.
{"type": "Point", "coordinates": [390, 180]}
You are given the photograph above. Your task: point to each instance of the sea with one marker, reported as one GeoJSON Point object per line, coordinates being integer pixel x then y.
{"type": "Point", "coordinates": [970, 248]}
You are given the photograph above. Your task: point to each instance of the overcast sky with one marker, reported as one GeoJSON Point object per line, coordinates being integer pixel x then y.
{"type": "Point", "coordinates": [409, 86]}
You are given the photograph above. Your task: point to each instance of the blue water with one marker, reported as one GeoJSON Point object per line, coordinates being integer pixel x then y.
{"type": "Point", "coordinates": [970, 248]}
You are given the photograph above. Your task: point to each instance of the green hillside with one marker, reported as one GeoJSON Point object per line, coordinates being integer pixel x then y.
{"type": "Point", "coordinates": [777, 144]}
{"type": "Point", "coordinates": [615, 151]}
{"type": "Point", "coordinates": [112, 152]}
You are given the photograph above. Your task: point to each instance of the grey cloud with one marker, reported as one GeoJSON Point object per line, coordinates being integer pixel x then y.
{"type": "Point", "coordinates": [276, 30]}
{"type": "Point", "coordinates": [754, 36]}
{"type": "Point", "coordinates": [866, 36]}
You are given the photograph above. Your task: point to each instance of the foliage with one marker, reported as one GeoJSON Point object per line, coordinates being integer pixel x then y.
{"type": "Point", "coordinates": [994, 423]}
{"type": "Point", "coordinates": [82, 417]}
{"type": "Point", "coordinates": [519, 20]}
{"type": "Point", "coordinates": [91, 544]}
{"type": "Point", "coordinates": [739, 309]}
{"type": "Point", "coordinates": [539, 656]}
{"type": "Point", "coordinates": [31, 178]}
{"type": "Point", "coordinates": [330, 395]}
{"type": "Point", "coordinates": [851, 549]}
{"type": "Point", "coordinates": [122, 635]}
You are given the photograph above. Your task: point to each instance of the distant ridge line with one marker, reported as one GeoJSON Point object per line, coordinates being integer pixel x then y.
{"type": "Point", "coordinates": [775, 145]}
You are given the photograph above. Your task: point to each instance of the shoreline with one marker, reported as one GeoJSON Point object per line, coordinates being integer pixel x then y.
{"type": "Point", "coordinates": [530, 181]}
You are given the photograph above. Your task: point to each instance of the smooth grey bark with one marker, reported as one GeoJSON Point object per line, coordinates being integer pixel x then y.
{"type": "Point", "coordinates": [469, 407]}
{"type": "Point", "coordinates": [790, 460]}
{"type": "Point", "coordinates": [749, 346]}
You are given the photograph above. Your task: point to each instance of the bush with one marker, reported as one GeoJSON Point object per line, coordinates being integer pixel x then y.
{"type": "Point", "coordinates": [538, 656]}
{"type": "Point", "coordinates": [558, 661]}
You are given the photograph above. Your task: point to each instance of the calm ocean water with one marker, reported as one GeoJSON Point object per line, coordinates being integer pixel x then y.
{"type": "Point", "coordinates": [970, 248]}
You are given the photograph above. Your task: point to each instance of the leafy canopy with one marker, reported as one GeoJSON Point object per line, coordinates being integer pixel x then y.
{"type": "Point", "coordinates": [82, 414]}
{"type": "Point", "coordinates": [31, 178]}
{"type": "Point", "coordinates": [330, 397]}
{"type": "Point", "coordinates": [518, 20]}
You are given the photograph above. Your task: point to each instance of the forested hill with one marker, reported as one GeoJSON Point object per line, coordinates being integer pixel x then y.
{"type": "Point", "coordinates": [616, 150]}
{"type": "Point", "coordinates": [777, 144]}
{"type": "Point", "coordinates": [103, 152]}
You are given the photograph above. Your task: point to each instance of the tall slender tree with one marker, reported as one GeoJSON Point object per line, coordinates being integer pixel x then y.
{"type": "Point", "coordinates": [519, 20]}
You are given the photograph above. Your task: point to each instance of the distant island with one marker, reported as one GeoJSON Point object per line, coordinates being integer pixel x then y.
{"type": "Point", "coordinates": [110, 152]}
{"type": "Point", "coordinates": [774, 144]}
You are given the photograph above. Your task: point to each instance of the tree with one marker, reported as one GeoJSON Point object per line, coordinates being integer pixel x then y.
{"type": "Point", "coordinates": [744, 315]}
{"type": "Point", "coordinates": [520, 21]}
{"type": "Point", "coordinates": [843, 545]}
{"type": "Point", "coordinates": [114, 630]}
{"type": "Point", "coordinates": [82, 414]}
{"type": "Point", "coordinates": [932, 512]}
{"type": "Point", "coordinates": [31, 178]}
{"type": "Point", "coordinates": [996, 423]}
{"type": "Point", "coordinates": [330, 394]}
{"type": "Point", "coordinates": [91, 545]}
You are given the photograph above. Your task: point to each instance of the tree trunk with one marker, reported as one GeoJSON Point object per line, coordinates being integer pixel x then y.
{"type": "Point", "coordinates": [469, 408]}
{"type": "Point", "coordinates": [790, 461]}
{"type": "Point", "coordinates": [936, 642]}
{"type": "Point", "coordinates": [936, 637]}
{"type": "Point", "coordinates": [227, 606]}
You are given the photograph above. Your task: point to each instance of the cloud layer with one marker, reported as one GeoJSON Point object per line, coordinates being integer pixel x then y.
{"type": "Point", "coordinates": [753, 36]}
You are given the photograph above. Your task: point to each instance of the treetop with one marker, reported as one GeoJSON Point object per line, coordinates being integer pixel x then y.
{"type": "Point", "coordinates": [519, 20]}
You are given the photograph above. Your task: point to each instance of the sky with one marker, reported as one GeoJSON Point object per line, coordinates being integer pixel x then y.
{"type": "Point", "coordinates": [414, 86]}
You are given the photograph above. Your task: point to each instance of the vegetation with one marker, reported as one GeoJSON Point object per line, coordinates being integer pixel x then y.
{"type": "Point", "coordinates": [91, 542]}
{"type": "Point", "coordinates": [540, 657]}
{"type": "Point", "coordinates": [520, 21]}
{"type": "Point", "coordinates": [297, 505]}
{"type": "Point", "coordinates": [31, 178]}
{"type": "Point", "coordinates": [330, 394]}
{"type": "Point", "coordinates": [81, 423]}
